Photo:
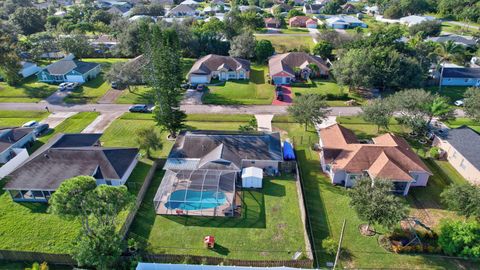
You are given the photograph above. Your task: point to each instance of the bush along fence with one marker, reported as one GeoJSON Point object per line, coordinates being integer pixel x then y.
{"type": "Point", "coordinates": [206, 260]}
{"type": "Point", "coordinates": [141, 194]}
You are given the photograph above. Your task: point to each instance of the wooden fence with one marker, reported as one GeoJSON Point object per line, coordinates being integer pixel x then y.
{"type": "Point", "coordinates": [141, 194]}
{"type": "Point", "coordinates": [12, 255]}
{"type": "Point", "coordinates": [170, 258]}
{"type": "Point", "coordinates": [303, 212]}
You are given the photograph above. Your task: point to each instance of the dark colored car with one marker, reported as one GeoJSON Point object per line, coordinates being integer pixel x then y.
{"type": "Point", "coordinates": [115, 85]}
{"type": "Point", "coordinates": [40, 129]}
{"type": "Point", "coordinates": [201, 87]}
{"type": "Point", "coordinates": [141, 108]}
{"type": "Point", "coordinates": [279, 92]}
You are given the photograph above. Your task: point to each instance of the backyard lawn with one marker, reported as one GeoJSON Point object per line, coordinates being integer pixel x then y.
{"type": "Point", "coordinates": [336, 96]}
{"type": "Point", "coordinates": [269, 228]}
{"type": "Point", "coordinates": [285, 43]}
{"type": "Point", "coordinates": [242, 92]}
{"type": "Point", "coordinates": [29, 90]}
{"type": "Point", "coordinates": [328, 206]}
{"type": "Point", "coordinates": [18, 118]}
{"type": "Point", "coordinates": [452, 92]}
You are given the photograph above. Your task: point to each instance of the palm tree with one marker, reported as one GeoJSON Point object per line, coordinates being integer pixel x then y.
{"type": "Point", "coordinates": [439, 107]}
{"type": "Point", "coordinates": [309, 3]}
{"type": "Point", "coordinates": [447, 52]}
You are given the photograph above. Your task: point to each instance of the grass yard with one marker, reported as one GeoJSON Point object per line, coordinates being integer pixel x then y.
{"type": "Point", "coordinates": [294, 30]}
{"type": "Point", "coordinates": [270, 226]}
{"type": "Point", "coordinates": [93, 90]}
{"type": "Point", "coordinates": [286, 43]}
{"type": "Point", "coordinates": [452, 92]}
{"type": "Point", "coordinates": [448, 27]}
{"type": "Point", "coordinates": [29, 90]}
{"type": "Point", "coordinates": [328, 206]}
{"type": "Point", "coordinates": [243, 92]}
{"type": "Point", "coordinates": [18, 118]}
{"type": "Point", "coordinates": [336, 96]}
{"type": "Point", "coordinates": [464, 121]}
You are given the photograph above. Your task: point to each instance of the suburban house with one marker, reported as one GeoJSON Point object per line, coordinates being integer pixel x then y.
{"type": "Point", "coordinates": [69, 70]}
{"type": "Point", "coordinates": [303, 21]}
{"type": "Point", "coordinates": [349, 9]}
{"type": "Point", "coordinates": [271, 23]}
{"type": "Point", "coordinates": [345, 159]}
{"type": "Point", "coordinates": [28, 69]}
{"type": "Point", "coordinates": [104, 42]}
{"type": "Point", "coordinates": [461, 148]}
{"type": "Point", "coordinates": [219, 67]}
{"type": "Point", "coordinates": [285, 68]}
{"type": "Point", "coordinates": [120, 10]}
{"type": "Point", "coordinates": [344, 22]}
{"type": "Point", "coordinates": [461, 76]}
{"type": "Point", "coordinates": [12, 139]}
{"type": "Point", "coordinates": [163, 2]}
{"type": "Point", "coordinates": [415, 19]}
{"type": "Point", "coordinates": [312, 9]}
{"type": "Point", "coordinates": [191, 3]}
{"type": "Point", "coordinates": [67, 156]}
{"type": "Point", "coordinates": [203, 166]}
{"type": "Point", "coordinates": [465, 41]}
{"type": "Point", "coordinates": [282, 6]}
{"type": "Point", "coordinates": [181, 11]}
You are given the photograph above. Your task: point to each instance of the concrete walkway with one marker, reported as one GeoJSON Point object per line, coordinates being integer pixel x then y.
{"type": "Point", "coordinates": [102, 122]}
{"type": "Point", "coordinates": [264, 122]}
{"type": "Point", "coordinates": [329, 121]}
{"type": "Point", "coordinates": [55, 118]}
{"type": "Point", "coordinates": [314, 33]}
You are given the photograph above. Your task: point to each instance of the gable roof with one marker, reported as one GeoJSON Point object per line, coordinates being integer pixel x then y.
{"type": "Point", "coordinates": [458, 137]}
{"type": "Point", "coordinates": [344, 19]}
{"type": "Point", "coordinates": [64, 66]}
{"type": "Point", "coordinates": [287, 62]}
{"type": "Point", "coordinates": [472, 73]}
{"type": "Point", "coordinates": [9, 136]}
{"type": "Point", "coordinates": [458, 39]}
{"type": "Point", "coordinates": [213, 62]}
{"type": "Point", "coordinates": [389, 157]}
{"type": "Point", "coordinates": [301, 19]}
{"type": "Point", "coordinates": [182, 8]}
{"type": "Point", "coordinates": [67, 156]}
{"type": "Point", "coordinates": [212, 147]}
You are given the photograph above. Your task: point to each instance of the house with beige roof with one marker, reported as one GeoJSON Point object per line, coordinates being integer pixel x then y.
{"type": "Point", "coordinates": [284, 68]}
{"type": "Point", "coordinates": [219, 67]}
{"type": "Point", "coordinates": [345, 159]}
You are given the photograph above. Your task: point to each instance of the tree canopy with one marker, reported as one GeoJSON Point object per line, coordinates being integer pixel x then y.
{"type": "Point", "coordinates": [459, 238]}
{"type": "Point", "coordinates": [467, 204]}
{"type": "Point", "coordinates": [309, 108]}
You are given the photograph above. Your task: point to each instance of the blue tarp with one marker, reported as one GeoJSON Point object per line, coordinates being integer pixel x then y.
{"type": "Point", "coordinates": [288, 153]}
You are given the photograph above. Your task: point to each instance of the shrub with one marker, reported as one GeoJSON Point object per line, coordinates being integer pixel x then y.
{"type": "Point", "coordinates": [434, 152]}
{"type": "Point", "coordinates": [329, 245]}
{"type": "Point", "coordinates": [459, 238]}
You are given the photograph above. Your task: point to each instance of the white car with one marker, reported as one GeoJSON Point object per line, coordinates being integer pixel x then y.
{"type": "Point", "coordinates": [32, 123]}
{"type": "Point", "coordinates": [62, 86]}
{"type": "Point", "coordinates": [71, 86]}
{"type": "Point", "coordinates": [459, 102]}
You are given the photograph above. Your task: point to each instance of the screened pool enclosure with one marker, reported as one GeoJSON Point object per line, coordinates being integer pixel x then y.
{"type": "Point", "coordinates": [196, 193]}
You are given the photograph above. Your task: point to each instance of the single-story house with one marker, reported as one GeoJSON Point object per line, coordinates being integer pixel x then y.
{"type": "Point", "coordinates": [344, 22]}
{"type": "Point", "coordinates": [28, 69]}
{"type": "Point", "coordinates": [220, 67]}
{"type": "Point", "coordinates": [465, 41]}
{"type": "Point", "coordinates": [69, 70]}
{"type": "Point", "coordinates": [202, 168]}
{"type": "Point", "coordinates": [216, 9]}
{"type": "Point", "coordinates": [388, 157]}
{"type": "Point", "coordinates": [282, 68]}
{"type": "Point", "coordinates": [415, 19]}
{"type": "Point", "coordinates": [461, 76]}
{"type": "Point", "coordinates": [303, 21]}
{"type": "Point", "coordinates": [67, 156]}
{"type": "Point", "coordinates": [462, 149]}
{"type": "Point", "coordinates": [13, 138]}
{"type": "Point", "coordinates": [104, 41]}
{"type": "Point", "coordinates": [283, 8]}
{"type": "Point", "coordinates": [182, 10]}
{"type": "Point", "coordinates": [372, 10]}
{"type": "Point", "coordinates": [349, 9]}
{"type": "Point", "coordinates": [312, 9]}
{"type": "Point", "coordinates": [123, 10]}
{"type": "Point", "coordinates": [191, 3]}
{"type": "Point", "coordinates": [244, 8]}
{"type": "Point", "coordinates": [163, 2]}
{"type": "Point", "coordinates": [271, 23]}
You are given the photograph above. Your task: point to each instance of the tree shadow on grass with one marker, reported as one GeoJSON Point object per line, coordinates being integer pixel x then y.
{"type": "Point", "coordinates": [38, 92]}
{"type": "Point", "coordinates": [224, 251]}
{"type": "Point", "coordinates": [217, 99]}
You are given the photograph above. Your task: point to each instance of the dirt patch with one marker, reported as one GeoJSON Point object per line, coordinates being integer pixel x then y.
{"type": "Point", "coordinates": [275, 209]}
{"type": "Point", "coordinates": [366, 230]}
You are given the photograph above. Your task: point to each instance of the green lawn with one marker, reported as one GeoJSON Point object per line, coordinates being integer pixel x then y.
{"type": "Point", "coordinates": [142, 94]}
{"type": "Point", "coordinates": [335, 94]}
{"type": "Point", "coordinates": [448, 27]}
{"type": "Point", "coordinates": [464, 122]}
{"type": "Point", "coordinates": [18, 118]}
{"type": "Point", "coordinates": [452, 92]}
{"type": "Point", "coordinates": [328, 206]}
{"type": "Point", "coordinates": [269, 228]}
{"type": "Point", "coordinates": [286, 43]}
{"type": "Point", "coordinates": [294, 30]}
{"type": "Point", "coordinates": [243, 92]}
{"type": "Point", "coordinates": [29, 90]}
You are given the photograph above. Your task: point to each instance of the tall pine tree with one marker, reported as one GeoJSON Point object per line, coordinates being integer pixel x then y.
{"type": "Point", "coordinates": [164, 76]}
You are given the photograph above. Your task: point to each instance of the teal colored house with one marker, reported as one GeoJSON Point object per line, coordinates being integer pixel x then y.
{"type": "Point", "coordinates": [453, 76]}
{"type": "Point", "coordinates": [69, 70]}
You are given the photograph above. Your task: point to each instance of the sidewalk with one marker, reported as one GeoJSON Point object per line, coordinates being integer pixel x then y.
{"type": "Point", "coordinates": [55, 118]}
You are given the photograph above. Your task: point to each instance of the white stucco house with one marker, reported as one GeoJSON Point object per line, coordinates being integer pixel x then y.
{"type": "Point", "coordinates": [219, 67]}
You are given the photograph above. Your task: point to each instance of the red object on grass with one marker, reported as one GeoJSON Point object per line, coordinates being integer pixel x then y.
{"type": "Point", "coordinates": [209, 241]}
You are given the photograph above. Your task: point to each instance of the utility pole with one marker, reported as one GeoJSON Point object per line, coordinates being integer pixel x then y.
{"type": "Point", "coordinates": [339, 244]}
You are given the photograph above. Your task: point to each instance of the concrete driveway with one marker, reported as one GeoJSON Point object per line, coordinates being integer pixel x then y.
{"type": "Point", "coordinates": [192, 97]}
{"type": "Point", "coordinates": [101, 123]}
{"type": "Point", "coordinates": [55, 118]}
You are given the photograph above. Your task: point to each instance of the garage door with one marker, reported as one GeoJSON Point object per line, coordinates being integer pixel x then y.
{"type": "Point", "coordinates": [75, 78]}
{"type": "Point", "coordinates": [198, 79]}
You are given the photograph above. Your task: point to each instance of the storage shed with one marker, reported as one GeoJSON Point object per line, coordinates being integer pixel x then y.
{"type": "Point", "coordinates": [252, 177]}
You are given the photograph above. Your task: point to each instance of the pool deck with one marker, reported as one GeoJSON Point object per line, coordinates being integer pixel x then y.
{"type": "Point", "coordinates": [219, 211]}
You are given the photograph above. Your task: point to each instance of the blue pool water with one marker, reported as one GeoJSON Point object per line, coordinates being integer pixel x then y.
{"type": "Point", "coordinates": [195, 200]}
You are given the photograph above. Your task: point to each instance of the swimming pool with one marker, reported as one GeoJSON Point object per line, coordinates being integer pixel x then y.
{"type": "Point", "coordinates": [195, 200]}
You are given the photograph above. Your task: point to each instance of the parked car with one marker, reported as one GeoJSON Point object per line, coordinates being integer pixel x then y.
{"type": "Point", "coordinates": [32, 123]}
{"type": "Point", "coordinates": [141, 108]}
{"type": "Point", "coordinates": [72, 85]}
{"type": "Point", "coordinates": [40, 129]}
{"type": "Point", "coordinates": [459, 103]}
{"type": "Point", "coordinates": [151, 109]}
{"type": "Point", "coordinates": [62, 86]}
{"type": "Point", "coordinates": [185, 86]}
{"type": "Point", "coordinates": [279, 92]}
{"type": "Point", "coordinates": [201, 87]}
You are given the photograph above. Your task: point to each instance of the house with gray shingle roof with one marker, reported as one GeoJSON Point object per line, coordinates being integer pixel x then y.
{"type": "Point", "coordinates": [461, 76]}
{"type": "Point", "coordinates": [284, 68]}
{"type": "Point", "coordinates": [69, 70]}
{"type": "Point", "coordinates": [219, 67]}
{"type": "Point", "coordinates": [461, 148]}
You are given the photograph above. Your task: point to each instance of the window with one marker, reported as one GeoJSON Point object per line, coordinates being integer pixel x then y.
{"type": "Point", "coordinates": [463, 165]}
{"type": "Point", "coordinates": [108, 182]}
